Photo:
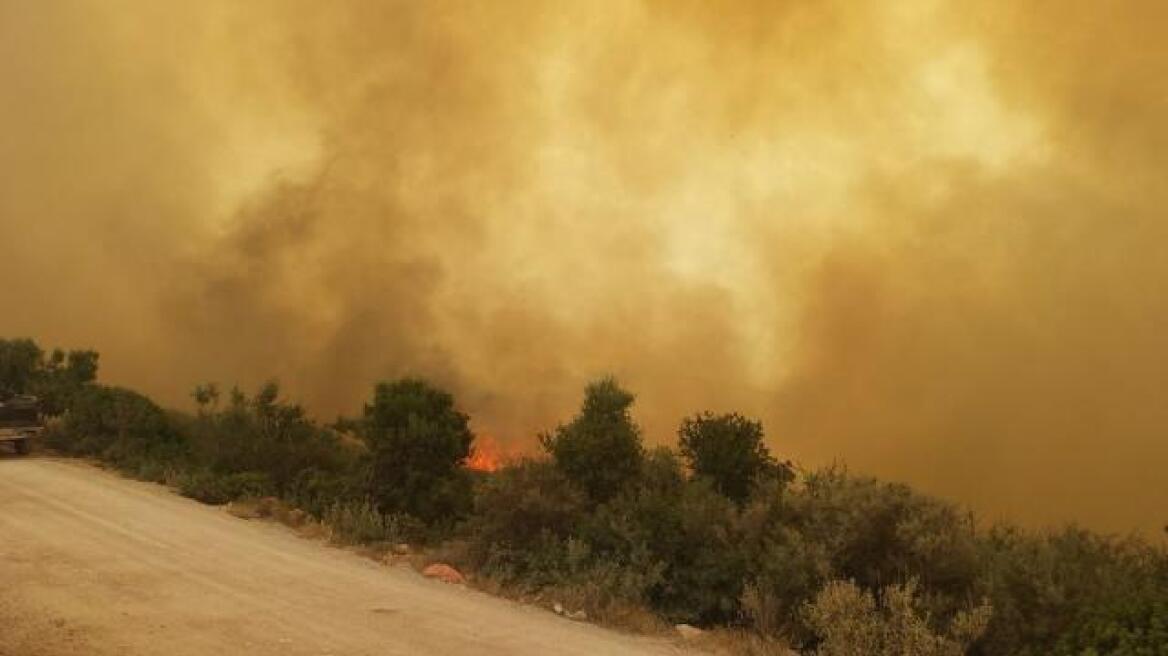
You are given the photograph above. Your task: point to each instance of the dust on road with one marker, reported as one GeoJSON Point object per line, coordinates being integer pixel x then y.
{"type": "Point", "coordinates": [94, 564]}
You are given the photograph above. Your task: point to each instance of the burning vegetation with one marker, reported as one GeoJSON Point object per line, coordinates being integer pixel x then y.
{"type": "Point", "coordinates": [487, 455]}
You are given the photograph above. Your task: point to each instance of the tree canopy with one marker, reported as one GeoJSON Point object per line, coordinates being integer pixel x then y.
{"type": "Point", "coordinates": [56, 377]}
{"type": "Point", "coordinates": [418, 441]}
{"type": "Point", "coordinates": [729, 450]}
{"type": "Point", "coordinates": [600, 450]}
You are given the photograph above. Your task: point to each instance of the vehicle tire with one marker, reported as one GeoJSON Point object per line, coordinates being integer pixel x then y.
{"type": "Point", "coordinates": [22, 447]}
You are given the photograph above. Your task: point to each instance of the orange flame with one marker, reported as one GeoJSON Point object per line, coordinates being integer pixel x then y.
{"type": "Point", "coordinates": [486, 455]}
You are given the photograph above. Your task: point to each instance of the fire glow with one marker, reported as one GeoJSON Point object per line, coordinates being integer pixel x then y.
{"type": "Point", "coordinates": [487, 455]}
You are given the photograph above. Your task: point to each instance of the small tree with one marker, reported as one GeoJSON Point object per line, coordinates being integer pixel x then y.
{"type": "Point", "coordinates": [20, 363]}
{"type": "Point", "coordinates": [56, 379]}
{"type": "Point", "coordinates": [418, 442]}
{"type": "Point", "coordinates": [206, 397]}
{"type": "Point", "coordinates": [81, 367]}
{"type": "Point", "coordinates": [62, 377]}
{"type": "Point", "coordinates": [600, 450]}
{"type": "Point", "coordinates": [729, 450]}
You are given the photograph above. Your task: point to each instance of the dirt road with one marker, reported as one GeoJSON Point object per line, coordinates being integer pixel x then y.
{"type": "Point", "coordinates": [91, 563]}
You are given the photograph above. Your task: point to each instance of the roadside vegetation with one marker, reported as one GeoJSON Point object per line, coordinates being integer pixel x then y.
{"type": "Point", "coordinates": [717, 532]}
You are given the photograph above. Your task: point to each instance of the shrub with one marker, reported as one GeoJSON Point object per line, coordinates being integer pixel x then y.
{"type": "Point", "coordinates": [360, 522]}
{"type": "Point", "coordinates": [834, 526]}
{"type": "Point", "coordinates": [119, 426]}
{"type": "Point", "coordinates": [600, 450]}
{"type": "Point", "coordinates": [419, 442]}
{"type": "Point", "coordinates": [852, 622]}
{"type": "Point", "coordinates": [786, 569]}
{"type": "Point", "coordinates": [682, 529]}
{"type": "Point", "coordinates": [533, 530]}
{"type": "Point", "coordinates": [524, 516]}
{"type": "Point", "coordinates": [261, 433]}
{"type": "Point", "coordinates": [213, 488]}
{"type": "Point", "coordinates": [155, 471]}
{"type": "Point", "coordinates": [729, 451]}
{"type": "Point", "coordinates": [55, 379]}
{"type": "Point", "coordinates": [879, 533]}
{"type": "Point", "coordinates": [1072, 592]}
{"type": "Point", "coordinates": [704, 564]}
{"type": "Point", "coordinates": [20, 360]}
{"type": "Point", "coordinates": [61, 377]}
{"type": "Point", "coordinates": [1131, 624]}
{"type": "Point", "coordinates": [315, 490]}
{"type": "Point", "coordinates": [607, 588]}
{"type": "Point", "coordinates": [664, 542]}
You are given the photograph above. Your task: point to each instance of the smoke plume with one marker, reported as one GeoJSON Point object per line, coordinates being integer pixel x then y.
{"type": "Point", "coordinates": [919, 237]}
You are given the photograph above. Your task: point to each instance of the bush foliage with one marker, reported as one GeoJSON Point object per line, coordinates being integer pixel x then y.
{"type": "Point", "coordinates": [730, 452]}
{"type": "Point", "coordinates": [852, 621]}
{"type": "Point", "coordinates": [716, 532]}
{"type": "Point", "coordinates": [418, 442]}
{"type": "Point", "coordinates": [55, 377]}
{"type": "Point", "coordinates": [600, 449]}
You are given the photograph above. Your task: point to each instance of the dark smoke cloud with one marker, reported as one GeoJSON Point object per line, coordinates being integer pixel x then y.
{"type": "Point", "coordinates": [920, 237]}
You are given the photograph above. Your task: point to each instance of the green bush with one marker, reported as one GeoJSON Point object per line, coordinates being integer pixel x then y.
{"type": "Point", "coordinates": [1072, 592]}
{"type": "Point", "coordinates": [524, 516]}
{"type": "Point", "coordinates": [261, 434]}
{"type": "Point", "coordinates": [316, 490]}
{"type": "Point", "coordinates": [419, 442]}
{"type": "Point", "coordinates": [600, 449]}
{"type": "Point", "coordinates": [56, 378]}
{"type": "Point", "coordinates": [119, 426]}
{"type": "Point", "coordinates": [701, 549]}
{"type": "Point", "coordinates": [214, 488]}
{"type": "Point", "coordinates": [600, 585]}
{"type": "Point", "coordinates": [154, 471]}
{"type": "Point", "coordinates": [785, 570]}
{"type": "Point", "coordinates": [850, 621]}
{"type": "Point", "coordinates": [20, 360]}
{"type": "Point", "coordinates": [683, 530]}
{"type": "Point", "coordinates": [878, 533]}
{"type": "Point", "coordinates": [665, 542]}
{"type": "Point", "coordinates": [1132, 624]}
{"type": "Point", "coordinates": [730, 452]}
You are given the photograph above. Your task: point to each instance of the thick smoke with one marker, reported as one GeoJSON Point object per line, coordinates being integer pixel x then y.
{"type": "Point", "coordinates": [921, 238]}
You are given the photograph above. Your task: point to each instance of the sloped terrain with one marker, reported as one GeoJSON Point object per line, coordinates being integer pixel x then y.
{"type": "Point", "coordinates": [91, 563]}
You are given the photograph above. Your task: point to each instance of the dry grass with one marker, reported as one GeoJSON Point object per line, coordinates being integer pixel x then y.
{"type": "Point", "coordinates": [742, 643]}
{"type": "Point", "coordinates": [639, 620]}
{"type": "Point", "coordinates": [274, 509]}
{"type": "Point", "coordinates": [314, 530]}
{"type": "Point", "coordinates": [616, 614]}
{"type": "Point", "coordinates": [632, 618]}
{"type": "Point", "coordinates": [244, 509]}
{"type": "Point", "coordinates": [260, 508]}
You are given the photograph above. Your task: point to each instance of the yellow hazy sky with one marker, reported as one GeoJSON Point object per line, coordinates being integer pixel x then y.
{"type": "Point", "coordinates": [924, 238]}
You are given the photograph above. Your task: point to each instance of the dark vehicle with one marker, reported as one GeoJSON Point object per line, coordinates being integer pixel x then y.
{"type": "Point", "coordinates": [20, 421]}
